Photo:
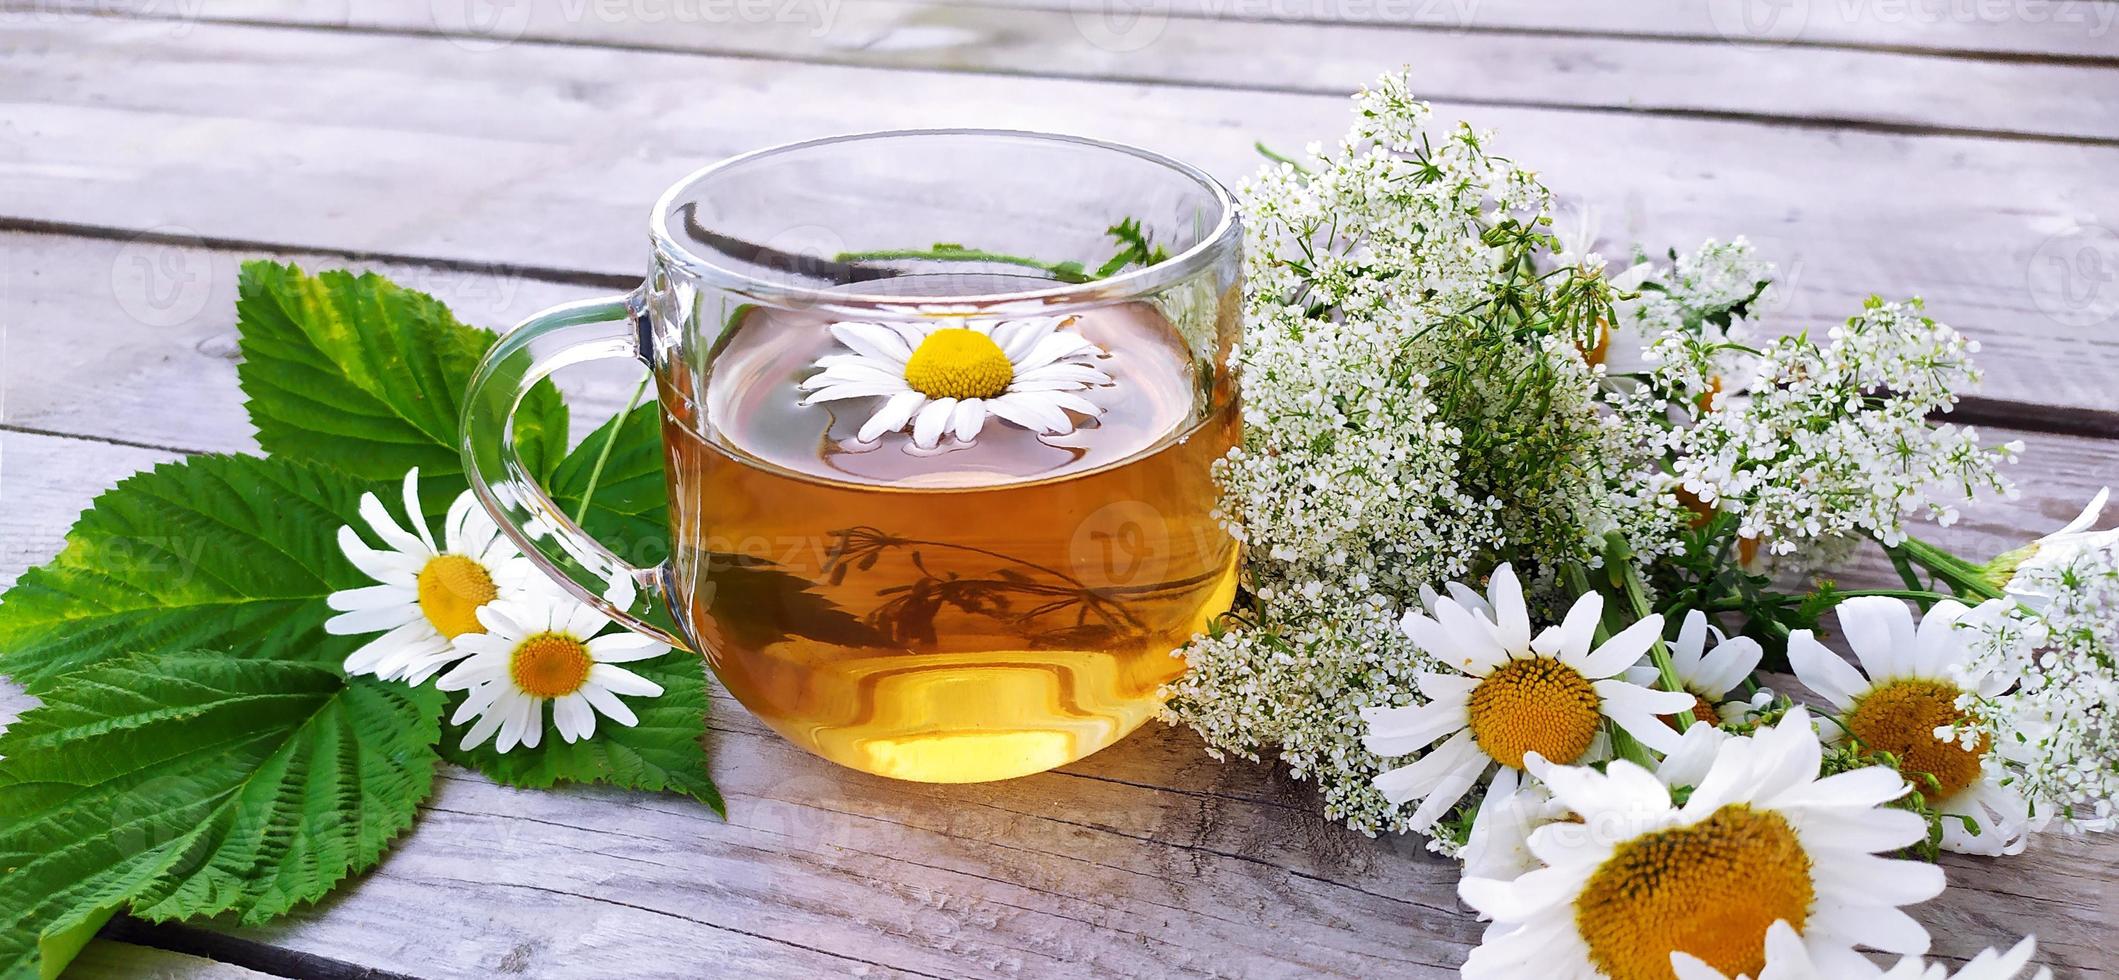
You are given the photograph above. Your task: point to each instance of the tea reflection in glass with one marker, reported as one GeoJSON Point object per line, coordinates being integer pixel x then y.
{"type": "Point", "coordinates": [976, 611]}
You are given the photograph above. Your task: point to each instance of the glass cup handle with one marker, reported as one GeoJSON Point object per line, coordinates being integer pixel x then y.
{"type": "Point", "coordinates": [556, 338]}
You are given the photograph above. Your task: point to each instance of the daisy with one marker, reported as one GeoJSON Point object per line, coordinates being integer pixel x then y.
{"type": "Point", "coordinates": [1760, 838]}
{"type": "Point", "coordinates": [1787, 959]}
{"type": "Point", "coordinates": [1708, 677]}
{"type": "Point", "coordinates": [1507, 695]}
{"type": "Point", "coordinates": [546, 649]}
{"type": "Point", "coordinates": [1516, 805]}
{"type": "Point", "coordinates": [947, 378]}
{"type": "Point", "coordinates": [1909, 686]}
{"type": "Point", "coordinates": [427, 595]}
{"type": "Point", "coordinates": [2054, 550]}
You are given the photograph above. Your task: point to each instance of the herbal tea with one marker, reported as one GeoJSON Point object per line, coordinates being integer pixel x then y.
{"type": "Point", "coordinates": [911, 602]}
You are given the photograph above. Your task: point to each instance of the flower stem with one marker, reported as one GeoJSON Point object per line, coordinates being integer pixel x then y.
{"type": "Point", "coordinates": [603, 456]}
{"type": "Point", "coordinates": [1636, 591]}
{"type": "Point", "coordinates": [1962, 575]}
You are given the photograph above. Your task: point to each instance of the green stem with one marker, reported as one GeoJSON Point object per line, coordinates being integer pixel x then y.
{"type": "Point", "coordinates": [603, 456]}
{"type": "Point", "coordinates": [1623, 745]}
{"type": "Point", "coordinates": [1965, 577]}
{"type": "Point", "coordinates": [1637, 595]}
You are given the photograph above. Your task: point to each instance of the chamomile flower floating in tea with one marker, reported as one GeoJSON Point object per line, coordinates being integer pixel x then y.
{"type": "Point", "coordinates": [427, 594]}
{"type": "Point", "coordinates": [1910, 686]}
{"type": "Point", "coordinates": [543, 650]}
{"type": "Point", "coordinates": [948, 378]}
{"type": "Point", "coordinates": [1759, 839]}
{"type": "Point", "coordinates": [1512, 695]}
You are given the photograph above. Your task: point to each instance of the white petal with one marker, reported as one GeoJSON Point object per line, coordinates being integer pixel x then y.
{"type": "Point", "coordinates": [853, 389]}
{"type": "Point", "coordinates": [392, 567]}
{"type": "Point", "coordinates": [873, 340]}
{"type": "Point", "coordinates": [1447, 791]}
{"type": "Point", "coordinates": [893, 415]}
{"type": "Point", "coordinates": [1398, 731]}
{"type": "Point", "coordinates": [1570, 641]}
{"type": "Point", "coordinates": [609, 704]}
{"type": "Point", "coordinates": [1691, 644]}
{"type": "Point", "coordinates": [371, 620]}
{"type": "Point", "coordinates": [487, 725]}
{"type": "Point", "coordinates": [1471, 639]}
{"type": "Point", "coordinates": [1623, 650]}
{"type": "Point", "coordinates": [1823, 671]}
{"type": "Point", "coordinates": [619, 648]}
{"type": "Point", "coordinates": [1722, 669]}
{"type": "Point", "coordinates": [931, 422]}
{"type": "Point", "coordinates": [1511, 616]}
{"type": "Point", "coordinates": [387, 528]}
{"type": "Point", "coordinates": [413, 512]}
{"type": "Point", "coordinates": [1417, 779]}
{"type": "Point", "coordinates": [1031, 411]}
{"type": "Point", "coordinates": [619, 680]}
{"type": "Point", "coordinates": [1880, 630]}
{"type": "Point", "coordinates": [969, 418]}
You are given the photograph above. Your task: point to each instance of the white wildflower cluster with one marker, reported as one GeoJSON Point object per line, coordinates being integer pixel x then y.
{"type": "Point", "coordinates": [1831, 441]}
{"type": "Point", "coordinates": [2061, 724]}
{"type": "Point", "coordinates": [1395, 434]}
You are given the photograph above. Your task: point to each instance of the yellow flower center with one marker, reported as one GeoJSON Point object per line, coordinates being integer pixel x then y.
{"type": "Point", "coordinates": [1702, 710]}
{"type": "Point", "coordinates": [1710, 889]}
{"type": "Point", "coordinates": [550, 665]}
{"type": "Point", "coordinates": [959, 363]}
{"type": "Point", "coordinates": [1900, 717]}
{"type": "Point", "coordinates": [451, 588]}
{"type": "Point", "coordinates": [1535, 705]}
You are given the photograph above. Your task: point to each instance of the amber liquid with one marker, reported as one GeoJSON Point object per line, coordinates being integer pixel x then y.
{"type": "Point", "coordinates": [969, 614]}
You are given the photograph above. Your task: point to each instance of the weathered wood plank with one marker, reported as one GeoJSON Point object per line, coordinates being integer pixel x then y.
{"type": "Point", "coordinates": [1809, 85]}
{"type": "Point", "coordinates": [384, 144]}
{"type": "Point", "coordinates": [2081, 30]}
{"type": "Point", "coordinates": [1147, 858]}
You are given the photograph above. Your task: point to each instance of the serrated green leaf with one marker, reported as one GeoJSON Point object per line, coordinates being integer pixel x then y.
{"type": "Point", "coordinates": [630, 512]}
{"type": "Point", "coordinates": [363, 375]}
{"type": "Point", "coordinates": [184, 784]}
{"type": "Point", "coordinates": [231, 553]}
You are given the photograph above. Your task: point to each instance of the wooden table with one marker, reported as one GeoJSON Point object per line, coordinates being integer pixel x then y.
{"type": "Point", "coordinates": [503, 155]}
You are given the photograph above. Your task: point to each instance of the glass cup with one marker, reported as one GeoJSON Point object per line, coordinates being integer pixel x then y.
{"type": "Point", "coordinates": [939, 411]}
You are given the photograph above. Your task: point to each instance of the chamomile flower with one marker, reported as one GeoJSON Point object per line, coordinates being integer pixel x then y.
{"type": "Point", "coordinates": [1708, 677]}
{"type": "Point", "coordinates": [1510, 695]}
{"type": "Point", "coordinates": [1760, 838]}
{"type": "Point", "coordinates": [1788, 959]}
{"type": "Point", "coordinates": [1517, 804]}
{"type": "Point", "coordinates": [539, 651]}
{"type": "Point", "coordinates": [948, 378]}
{"type": "Point", "coordinates": [1909, 689]}
{"type": "Point", "coordinates": [2018, 571]}
{"type": "Point", "coordinates": [427, 594]}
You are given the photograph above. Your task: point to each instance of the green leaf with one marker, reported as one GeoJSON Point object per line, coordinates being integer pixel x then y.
{"type": "Point", "coordinates": [231, 553]}
{"type": "Point", "coordinates": [630, 512]}
{"type": "Point", "coordinates": [182, 784]}
{"type": "Point", "coordinates": [366, 376]}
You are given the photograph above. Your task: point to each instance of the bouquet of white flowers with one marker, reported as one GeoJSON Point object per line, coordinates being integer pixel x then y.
{"type": "Point", "coordinates": [1438, 389]}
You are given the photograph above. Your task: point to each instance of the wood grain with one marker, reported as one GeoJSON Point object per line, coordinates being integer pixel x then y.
{"type": "Point", "coordinates": [533, 156]}
{"type": "Point", "coordinates": [1889, 89]}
